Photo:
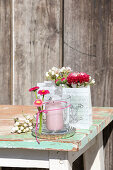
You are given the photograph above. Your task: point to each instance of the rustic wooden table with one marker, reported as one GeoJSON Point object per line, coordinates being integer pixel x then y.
{"type": "Point", "coordinates": [22, 150]}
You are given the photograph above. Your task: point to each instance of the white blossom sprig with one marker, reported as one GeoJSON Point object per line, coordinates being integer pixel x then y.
{"type": "Point", "coordinates": [23, 126]}
{"type": "Point", "coordinates": [55, 73]}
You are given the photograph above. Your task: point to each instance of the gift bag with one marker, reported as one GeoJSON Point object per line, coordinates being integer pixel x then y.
{"type": "Point", "coordinates": [81, 109]}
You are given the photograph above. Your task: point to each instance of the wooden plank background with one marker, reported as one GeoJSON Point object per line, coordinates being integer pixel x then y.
{"type": "Point", "coordinates": [88, 44]}
{"type": "Point", "coordinates": [5, 52]}
{"type": "Point", "coordinates": [38, 34]}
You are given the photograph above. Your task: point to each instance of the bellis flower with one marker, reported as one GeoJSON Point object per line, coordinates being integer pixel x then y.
{"type": "Point", "coordinates": [33, 89]}
{"type": "Point", "coordinates": [38, 103]}
{"type": "Point", "coordinates": [43, 92]}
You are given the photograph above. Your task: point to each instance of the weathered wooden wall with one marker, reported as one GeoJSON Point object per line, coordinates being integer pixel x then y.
{"type": "Point", "coordinates": [88, 47]}
{"type": "Point", "coordinates": [88, 44]}
{"type": "Point", "coordinates": [37, 36]}
{"type": "Point", "coordinates": [5, 52]}
{"type": "Point", "coordinates": [31, 42]}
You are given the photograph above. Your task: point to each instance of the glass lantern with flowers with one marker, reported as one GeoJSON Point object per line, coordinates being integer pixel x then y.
{"type": "Point", "coordinates": [51, 119]}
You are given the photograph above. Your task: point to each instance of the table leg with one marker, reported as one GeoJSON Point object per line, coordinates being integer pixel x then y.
{"type": "Point", "coordinates": [59, 161]}
{"type": "Point", "coordinates": [94, 156]}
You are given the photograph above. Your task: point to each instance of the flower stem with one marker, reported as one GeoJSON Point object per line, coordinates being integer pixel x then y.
{"type": "Point", "coordinates": [40, 127]}
{"type": "Point", "coordinates": [43, 98]}
{"type": "Point", "coordinates": [36, 94]}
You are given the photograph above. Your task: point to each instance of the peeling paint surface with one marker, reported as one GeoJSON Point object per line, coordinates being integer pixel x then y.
{"type": "Point", "coordinates": [101, 118]}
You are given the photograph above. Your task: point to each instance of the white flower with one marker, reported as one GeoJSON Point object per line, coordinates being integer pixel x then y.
{"type": "Point", "coordinates": [27, 129]}
{"type": "Point", "coordinates": [13, 130]}
{"type": "Point", "coordinates": [57, 75]}
{"type": "Point", "coordinates": [93, 81]}
{"type": "Point", "coordinates": [25, 125]}
{"type": "Point", "coordinates": [54, 68]}
{"type": "Point", "coordinates": [27, 121]}
{"type": "Point", "coordinates": [21, 128]}
{"type": "Point", "coordinates": [68, 68]}
{"type": "Point", "coordinates": [30, 127]}
{"type": "Point", "coordinates": [27, 117]}
{"type": "Point", "coordinates": [24, 130]}
{"type": "Point", "coordinates": [30, 123]}
{"type": "Point", "coordinates": [89, 77]}
{"type": "Point", "coordinates": [16, 124]}
{"type": "Point", "coordinates": [47, 74]}
{"type": "Point", "coordinates": [82, 74]}
{"type": "Point", "coordinates": [16, 128]}
{"type": "Point", "coordinates": [62, 69]}
{"type": "Point", "coordinates": [19, 131]}
{"type": "Point", "coordinates": [52, 73]}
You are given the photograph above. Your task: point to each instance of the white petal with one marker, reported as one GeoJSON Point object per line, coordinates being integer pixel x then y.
{"type": "Point", "coordinates": [27, 117]}
{"type": "Point", "coordinates": [93, 81]}
{"type": "Point", "coordinates": [52, 72]}
{"type": "Point", "coordinates": [27, 129]}
{"type": "Point", "coordinates": [21, 128]}
{"type": "Point", "coordinates": [27, 121]}
{"type": "Point", "coordinates": [47, 74]}
{"type": "Point", "coordinates": [57, 75]}
{"type": "Point", "coordinates": [17, 123]}
{"type": "Point", "coordinates": [25, 125]}
{"type": "Point", "coordinates": [19, 131]}
{"type": "Point", "coordinates": [30, 124]}
{"type": "Point", "coordinates": [16, 128]}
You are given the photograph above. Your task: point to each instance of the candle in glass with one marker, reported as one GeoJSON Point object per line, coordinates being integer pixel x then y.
{"type": "Point", "coordinates": [54, 118]}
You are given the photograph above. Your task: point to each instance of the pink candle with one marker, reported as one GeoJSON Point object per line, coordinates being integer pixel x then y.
{"type": "Point", "coordinates": [54, 118]}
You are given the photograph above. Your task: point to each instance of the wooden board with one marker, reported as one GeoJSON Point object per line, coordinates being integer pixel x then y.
{"type": "Point", "coordinates": [37, 38]}
{"type": "Point", "coordinates": [5, 52]}
{"type": "Point", "coordinates": [88, 44]}
{"type": "Point", "coordinates": [101, 118]}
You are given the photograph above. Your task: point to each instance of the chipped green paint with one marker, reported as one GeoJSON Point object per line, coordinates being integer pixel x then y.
{"type": "Point", "coordinates": [101, 118]}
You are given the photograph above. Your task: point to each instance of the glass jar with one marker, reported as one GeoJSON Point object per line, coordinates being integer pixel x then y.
{"type": "Point", "coordinates": [56, 123]}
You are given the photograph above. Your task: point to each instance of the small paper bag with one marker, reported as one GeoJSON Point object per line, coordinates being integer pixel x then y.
{"type": "Point", "coordinates": [81, 109]}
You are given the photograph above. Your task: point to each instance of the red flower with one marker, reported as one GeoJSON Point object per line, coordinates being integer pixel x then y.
{"type": "Point", "coordinates": [43, 92]}
{"type": "Point", "coordinates": [34, 88]}
{"type": "Point", "coordinates": [38, 103]}
{"type": "Point", "coordinates": [56, 81]}
{"type": "Point", "coordinates": [83, 77]}
{"type": "Point", "coordinates": [77, 78]}
{"type": "Point", "coordinates": [72, 78]}
{"type": "Point", "coordinates": [63, 79]}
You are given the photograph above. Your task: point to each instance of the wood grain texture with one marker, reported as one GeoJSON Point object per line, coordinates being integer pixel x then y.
{"type": "Point", "coordinates": [37, 29]}
{"type": "Point", "coordinates": [88, 47]}
{"type": "Point", "coordinates": [5, 52]}
{"type": "Point", "coordinates": [88, 44]}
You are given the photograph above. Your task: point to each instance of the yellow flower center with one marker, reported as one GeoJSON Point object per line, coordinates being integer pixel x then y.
{"type": "Point", "coordinates": [43, 90]}
{"type": "Point", "coordinates": [38, 102]}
